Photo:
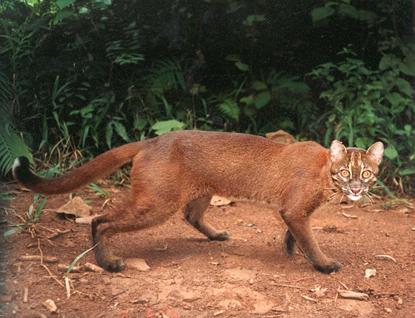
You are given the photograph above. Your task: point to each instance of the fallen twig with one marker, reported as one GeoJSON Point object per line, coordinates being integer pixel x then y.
{"type": "Point", "coordinates": [349, 216]}
{"type": "Point", "coordinates": [64, 268]}
{"type": "Point", "coordinates": [44, 266]}
{"type": "Point", "coordinates": [352, 295]}
{"type": "Point", "coordinates": [46, 259]}
{"type": "Point", "coordinates": [58, 233]}
{"type": "Point", "coordinates": [309, 299]}
{"type": "Point", "coordinates": [386, 257]}
{"type": "Point", "coordinates": [25, 294]}
{"type": "Point", "coordinates": [67, 287]}
{"type": "Point", "coordinates": [93, 268]}
{"type": "Point", "coordinates": [289, 286]}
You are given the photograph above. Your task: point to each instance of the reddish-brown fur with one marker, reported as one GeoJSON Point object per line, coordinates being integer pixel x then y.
{"type": "Point", "coordinates": [182, 170]}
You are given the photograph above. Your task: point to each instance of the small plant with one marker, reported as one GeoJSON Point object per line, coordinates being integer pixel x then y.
{"type": "Point", "coordinates": [98, 190]}
{"type": "Point", "coordinates": [35, 210]}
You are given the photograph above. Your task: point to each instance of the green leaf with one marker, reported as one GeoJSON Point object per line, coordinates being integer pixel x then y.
{"type": "Point", "coordinates": [395, 99]}
{"type": "Point", "coordinates": [98, 190]}
{"type": "Point", "coordinates": [83, 10]}
{"type": "Point", "coordinates": [408, 66]}
{"type": "Point", "coordinates": [242, 66]}
{"type": "Point", "coordinates": [121, 131]}
{"type": "Point", "coordinates": [108, 134]}
{"type": "Point", "coordinates": [64, 3]}
{"type": "Point", "coordinates": [259, 86]}
{"type": "Point", "coordinates": [388, 61]}
{"type": "Point", "coordinates": [262, 99]}
{"type": "Point", "coordinates": [404, 86]}
{"type": "Point", "coordinates": [254, 18]}
{"type": "Point", "coordinates": [230, 108]}
{"type": "Point", "coordinates": [73, 263]}
{"type": "Point", "coordinates": [390, 152]}
{"type": "Point", "coordinates": [61, 15]}
{"type": "Point", "coordinates": [348, 11]}
{"type": "Point", "coordinates": [321, 13]}
{"type": "Point", "coordinates": [249, 100]}
{"type": "Point", "coordinates": [407, 171]}
{"type": "Point", "coordinates": [162, 127]}
{"type": "Point", "coordinates": [140, 123]}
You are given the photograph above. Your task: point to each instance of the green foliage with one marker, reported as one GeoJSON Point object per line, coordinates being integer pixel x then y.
{"type": "Point", "coordinates": [35, 211]}
{"type": "Point", "coordinates": [98, 190]}
{"type": "Point", "coordinates": [162, 127]}
{"type": "Point", "coordinates": [342, 8]}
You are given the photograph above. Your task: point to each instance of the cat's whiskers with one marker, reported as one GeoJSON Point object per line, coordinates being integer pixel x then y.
{"type": "Point", "coordinates": [341, 198]}
{"type": "Point", "coordinates": [332, 196]}
{"type": "Point", "coordinates": [369, 198]}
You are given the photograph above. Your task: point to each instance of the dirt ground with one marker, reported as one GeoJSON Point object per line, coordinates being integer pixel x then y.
{"type": "Point", "coordinates": [189, 276]}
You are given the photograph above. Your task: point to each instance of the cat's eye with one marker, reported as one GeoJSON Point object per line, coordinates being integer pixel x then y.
{"type": "Point", "coordinates": [345, 173]}
{"type": "Point", "coordinates": [366, 174]}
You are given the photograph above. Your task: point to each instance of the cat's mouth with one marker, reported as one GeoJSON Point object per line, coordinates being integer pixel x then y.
{"type": "Point", "coordinates": [354, 197]}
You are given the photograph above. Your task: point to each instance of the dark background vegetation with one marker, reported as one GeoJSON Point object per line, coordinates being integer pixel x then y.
{"type": "Point", "coordinates": [80, 76]}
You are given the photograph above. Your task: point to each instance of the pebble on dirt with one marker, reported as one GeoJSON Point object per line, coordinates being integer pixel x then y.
{"type": "Point", "coordinates": [50, 305]}
{"type": "Point", "coordinates": [370, 272]}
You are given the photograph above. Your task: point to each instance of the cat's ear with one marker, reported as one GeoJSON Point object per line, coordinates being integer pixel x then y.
{"type": "Point", "coordinates": [375, 152]}
{"type": "Point", "coordinates": [337, 151]}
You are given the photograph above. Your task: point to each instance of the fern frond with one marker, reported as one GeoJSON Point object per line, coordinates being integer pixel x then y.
{"type": "Point", "coordinates": [166, 75]}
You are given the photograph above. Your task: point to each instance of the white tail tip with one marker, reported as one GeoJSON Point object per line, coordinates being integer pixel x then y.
{"type": "Point", "coordinates": [16, 163]}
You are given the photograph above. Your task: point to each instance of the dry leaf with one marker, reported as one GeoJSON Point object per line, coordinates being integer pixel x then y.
{"type": "Point", "coordinates": [76, 207]}
{"type": "Point", "coordinates": [318, 291]}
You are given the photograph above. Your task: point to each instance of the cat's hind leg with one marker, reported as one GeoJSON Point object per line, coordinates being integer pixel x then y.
{"type": "Point", "coordinates": [194, 212]}
{"type": "Point", "coordinates": [289, 243]}
{"type": "Point", "coordinates": [130, 218]}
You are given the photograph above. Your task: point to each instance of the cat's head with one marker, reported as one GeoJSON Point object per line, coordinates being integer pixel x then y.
{"type": "Point", "coordinates": [354, 170]}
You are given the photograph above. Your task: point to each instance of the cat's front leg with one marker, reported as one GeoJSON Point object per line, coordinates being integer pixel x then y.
{"type": "Point", "coordinates": [300, 232]}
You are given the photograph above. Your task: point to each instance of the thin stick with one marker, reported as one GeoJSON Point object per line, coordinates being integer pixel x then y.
{"type": "Point", "coordinates": [288, 286]}
{"type": "Point", "coordinates": [25, 294]}
{"type": "Point", "coordinates": [68, 288]}
{"type": "Point", "coordinates": [58, 233]}
{"type": "Point", "coordinates": [45, 267]}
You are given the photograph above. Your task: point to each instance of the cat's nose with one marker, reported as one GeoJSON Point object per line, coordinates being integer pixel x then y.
{"type": "Point", "coordinates": [355, 190]}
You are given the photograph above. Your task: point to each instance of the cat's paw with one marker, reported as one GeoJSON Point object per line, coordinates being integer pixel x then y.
{"type": "Point", "coordinates": [220, 236]}
{"type": "Point", "coordinates": [115, 264]}
{"type": "Point", "coordinates": [333, 266]}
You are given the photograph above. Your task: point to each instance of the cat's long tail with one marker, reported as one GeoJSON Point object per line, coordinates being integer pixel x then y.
{"type": "Point", "coordinates": [99, 167]}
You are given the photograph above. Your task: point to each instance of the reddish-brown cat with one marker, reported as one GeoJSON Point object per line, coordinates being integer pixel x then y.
{"type": "Point", "coordinates": [180, 171]}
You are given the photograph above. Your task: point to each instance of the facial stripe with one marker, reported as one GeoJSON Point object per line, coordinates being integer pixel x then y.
{"type": "Point", "coordinates": [355, 164]}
